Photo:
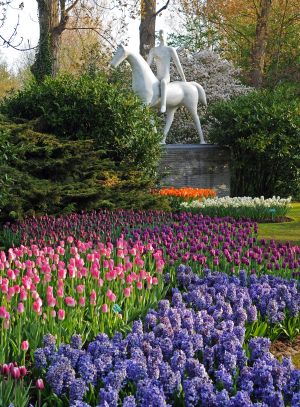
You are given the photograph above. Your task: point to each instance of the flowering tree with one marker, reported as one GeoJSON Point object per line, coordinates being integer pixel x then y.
{"type": "Point", "coordinates": [218, 77]}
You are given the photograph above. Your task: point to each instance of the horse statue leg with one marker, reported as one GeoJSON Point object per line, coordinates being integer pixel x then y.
{"type": "Point", "coordinates": [169, 120]}
{"type": "Point", "coordinates": [192, 108]}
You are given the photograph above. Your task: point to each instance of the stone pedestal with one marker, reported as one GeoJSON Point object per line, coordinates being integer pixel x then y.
{"type": "Point", "coordinates": [197, 166]}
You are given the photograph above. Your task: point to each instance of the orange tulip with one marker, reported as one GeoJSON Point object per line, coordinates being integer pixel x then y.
{"type": "Point", "coordinates": [187, 193]}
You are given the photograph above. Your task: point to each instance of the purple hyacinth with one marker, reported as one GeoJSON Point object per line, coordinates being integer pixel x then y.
{"type": "Point", "coordinates": [40, 358]}
{"type": "Point", "coordinates": [77, 390]}
{"type": "Point", "coordinates": [60, 376]}
{"type": "Point", "coordinates": [129, 401]}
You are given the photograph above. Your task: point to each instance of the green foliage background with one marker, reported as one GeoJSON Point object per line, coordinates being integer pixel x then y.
{"type": "Point", "coordinates": [79, 143]}
{"type": "Point", "coordinates": [262, 130]}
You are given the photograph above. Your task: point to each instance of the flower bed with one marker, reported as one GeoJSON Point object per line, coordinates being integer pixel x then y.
{"type": "Point", "coordinates": [189, 353]}
{"type": "Point", "coordinates": [99, 271]}
{"type": "Point", "coordinates": [258, 209]}
{"type": "Point", "coordinates": [221, 244]}
{"type": "Point", "coordinates": [74, 288]}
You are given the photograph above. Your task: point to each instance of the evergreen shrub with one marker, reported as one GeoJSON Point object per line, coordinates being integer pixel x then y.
{"type": "Point", "coordinates": [262, 130]}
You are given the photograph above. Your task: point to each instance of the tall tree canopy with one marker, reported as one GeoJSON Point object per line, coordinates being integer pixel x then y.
{"type": "Point", "coordinates": [261, 36]}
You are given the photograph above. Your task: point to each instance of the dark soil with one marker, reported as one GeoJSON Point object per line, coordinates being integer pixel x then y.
{"type": "Point", "coordinates": [285, 348]}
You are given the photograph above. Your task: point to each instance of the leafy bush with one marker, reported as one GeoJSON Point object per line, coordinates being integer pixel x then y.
{"type": "Point", "coordinates": [262, 130]}
{"type": "Point", "coordinates": [89, 107]}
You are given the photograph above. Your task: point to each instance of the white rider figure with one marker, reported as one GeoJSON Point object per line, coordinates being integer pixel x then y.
{"type": "Point", "coordinates": [163, 54]}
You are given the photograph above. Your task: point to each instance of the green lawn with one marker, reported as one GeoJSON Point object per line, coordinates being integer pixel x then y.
{"type": "Point", "coordinates": [283, 231]}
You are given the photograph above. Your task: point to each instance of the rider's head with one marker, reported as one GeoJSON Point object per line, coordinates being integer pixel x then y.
{"type": "Point", "coordinates": [162, 36]}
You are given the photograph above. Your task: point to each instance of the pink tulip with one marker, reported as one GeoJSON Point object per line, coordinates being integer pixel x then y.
{"type": "Point", "coordinates": [35, 295]}
{"type": "Point", "coordinates": [20, 308]}
{"type": "Point", "coordinates": [3, 311]}
{"type": "Point", "coordinates": [17, 288]}
{"type": "Point", "coordinates": [60, 292]}
{"type": "Point", "coordinates": [120, 253]}
{"type": "Point", "coordinates": [139, 262]}
{"type": "Point", "coordinates": [23, 295]}
{"type": "Point", "coordinates": [5, 369]}
{"type": "Point", "coordinates": [53, 313]}
{"type": "Point", "coordinates": [81, 301]}
{"type": "Point", "coordinates": [37, 306]}
{"type": "Point", "coordinates": [73, 250]}
{"type": "Point", "coordinates": [70, 301]}
{"type": "Point", "coordinates": [126, 292]}
{"type": "Point", "coordinates": [62, 273]}
{"type": "Point", "coordinates": [25, 346]}
{"type": "Point", "coordinates": [72, 271]}
{"type": "Point", "coordinates": [132, 251]}
{"type": "Point", "coordinates": [139, 285]}
{"type": "Point", "coordinates": [4, 288]}
{"type": "Point", "coordinates": [40, 384]}
{"type": "Point", "coordinates": [15, 372]}
{"type": "Point", "coordinates": [83, 272]}
{"type": "Point", "coordinates": [93, 297]}
{"type": "Point", "coordinates": [143, 274]}
{"type": "Point", "coordinates": [111, 296]}
{"type": "Point", "coordinates": [11, 275]}
{"type": "Point", "coordinates": [129, 279]}
{"type": "Point", "coordinates": [47, 277]}
{"type": "Point", "coordinates": [23, 371]}
{"type": "Point", "coordinates": [61, 314]}
{"type": "Point", "coordinates": [90, 257]}
{"type": "Point", "coordinates": [104, 308]}
{"type": "Point", "coordinates": [51, 301]}
{"type": "Point", "coordinates": [80, 289]}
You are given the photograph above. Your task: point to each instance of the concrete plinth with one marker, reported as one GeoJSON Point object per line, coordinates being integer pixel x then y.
{"type": "Point", "coordinates": [196, 165]}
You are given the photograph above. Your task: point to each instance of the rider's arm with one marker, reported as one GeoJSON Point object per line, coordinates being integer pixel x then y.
{"type": "Point", "coordinates": [150, 57]}
{"type": "Point", "coordinates": [177, 63]}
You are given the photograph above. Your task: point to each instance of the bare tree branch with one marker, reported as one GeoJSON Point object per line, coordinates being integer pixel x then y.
{"type": "Point", "coordinates": [162, 8]}
{"type": "Point", "coordinates": [71, 6]}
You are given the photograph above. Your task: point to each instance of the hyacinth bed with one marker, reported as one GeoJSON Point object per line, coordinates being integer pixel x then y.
{"type": "Point", "coordinates": [259, 209]}
{"type": "Point", "coordinates": [147, 309]}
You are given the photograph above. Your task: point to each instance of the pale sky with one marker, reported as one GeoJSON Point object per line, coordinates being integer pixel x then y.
{"type": "Point", "coordinates": [28, 29]}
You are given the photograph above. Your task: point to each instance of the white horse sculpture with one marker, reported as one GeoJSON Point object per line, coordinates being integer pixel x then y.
{"type": "Point", "coordinates": [147, 87]}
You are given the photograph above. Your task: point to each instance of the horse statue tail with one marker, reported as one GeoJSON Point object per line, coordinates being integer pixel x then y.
{"type": "Point", "coordinates": [201, 93]}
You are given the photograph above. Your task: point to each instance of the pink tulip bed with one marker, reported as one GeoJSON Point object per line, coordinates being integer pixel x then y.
{"type": "Point", "coordinates": [79, 277]}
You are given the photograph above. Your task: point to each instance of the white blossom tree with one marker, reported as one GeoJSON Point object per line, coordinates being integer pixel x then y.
{"type": "Point", "coordinates": [220, 80]}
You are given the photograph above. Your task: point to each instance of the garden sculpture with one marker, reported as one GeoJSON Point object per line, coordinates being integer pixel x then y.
{"type": "Point", "coordinates": [148, 87]}
{"type": "Point", "coordinates": [163, 56]}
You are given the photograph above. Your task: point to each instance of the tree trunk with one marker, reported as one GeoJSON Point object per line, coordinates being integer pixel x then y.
{"type": "Point", "coordinates": [259, 47]}
{"type": "Point", "coordinates": [147, 26]}
{"type": "Point", "coordinates": [52, 21]}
